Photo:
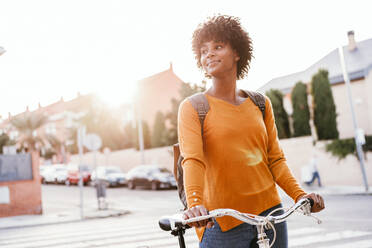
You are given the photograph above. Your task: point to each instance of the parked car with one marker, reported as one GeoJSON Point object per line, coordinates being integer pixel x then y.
{"type": "Point", "coordinates": [54, 173]}
{"type": "Point", "coordinates": [150, 176]}
{"type": "Point", "coordinates": [61, 174]}
{"type": "Point", "coordinates": [42, 169]}
{"type": "Point", "coordinates": [112, 175]}
{"type": "Point", "coordinates": [74, 171]}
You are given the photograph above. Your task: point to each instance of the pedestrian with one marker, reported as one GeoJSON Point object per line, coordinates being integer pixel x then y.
{"type": "Point", "coordinates": [313, 169]}
{"type": "Point", "coordinates": [237, 162]}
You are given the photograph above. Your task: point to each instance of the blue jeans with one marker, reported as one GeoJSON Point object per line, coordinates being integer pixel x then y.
{"type": "Point", "coordinates": [244, 235]}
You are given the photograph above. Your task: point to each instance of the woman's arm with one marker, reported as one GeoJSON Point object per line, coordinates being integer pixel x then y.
{"type": "Point", "coordinates": [277, 162]}
{"type": "Point", "coordinates": [191, 147]}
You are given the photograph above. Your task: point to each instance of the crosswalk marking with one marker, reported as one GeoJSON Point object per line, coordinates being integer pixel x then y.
{"type": "Point", "coordinates": [356, 244]}
{"type": "Point", "coordinates": [302, 231]}
{"type": "Point", "coordinates": [331, 236]}
{"type": "Point", "coordinates": [119, 234]}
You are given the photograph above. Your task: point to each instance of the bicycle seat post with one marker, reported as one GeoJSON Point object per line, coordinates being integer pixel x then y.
{"type": "Point", "coordinates": [180, 231]}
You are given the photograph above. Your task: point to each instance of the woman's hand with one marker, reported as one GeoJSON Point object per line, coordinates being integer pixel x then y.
{"type": "Point", "coordinates": [318, 202]}
{"type": "Point", "coordinates": [196, 211]}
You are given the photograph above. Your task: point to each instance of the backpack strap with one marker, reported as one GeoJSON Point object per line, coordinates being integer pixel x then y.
{"type": "Point", "coordinates": [200, 103]}
{"type": "Point", "coordinates": [258, 99]}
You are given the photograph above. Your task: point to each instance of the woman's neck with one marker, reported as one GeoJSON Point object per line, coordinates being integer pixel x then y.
{"type": "Point", "coordinates": [224, 88]}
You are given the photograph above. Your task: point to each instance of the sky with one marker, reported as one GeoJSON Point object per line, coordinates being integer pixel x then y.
{"type": "Point", "coordinates": [56, 49]}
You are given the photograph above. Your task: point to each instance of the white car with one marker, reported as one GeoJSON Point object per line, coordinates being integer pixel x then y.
{"type": "Point", "coordinates": [54, 173]}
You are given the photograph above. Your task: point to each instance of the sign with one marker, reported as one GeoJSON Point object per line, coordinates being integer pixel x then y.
{"type": "Point", "coordinates": [4, 195]}
{"type": "Point", "coordinates": [92, 142]}
{"type": "Point", "coordinates": [15, 167]}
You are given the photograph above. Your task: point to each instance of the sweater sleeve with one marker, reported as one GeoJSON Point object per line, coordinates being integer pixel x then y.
{"type": "Point", "coordinates": [191, 147]}
{"type": "Point", "coordinates": [277, 161]}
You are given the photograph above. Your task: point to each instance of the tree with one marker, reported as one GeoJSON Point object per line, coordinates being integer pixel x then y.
{"type": "Point", "coordinates": [324, 106]}
{"type": "Point", "coordinates": [102, 121]}
{"type": "Point", "coordinates": [27, 125]}
{"type": "Point", "coordinates": [5, 141]}
{"type": "Point", "coordinates": [281, 116]}
{"type": "Point", "coordinates": [301, 113]}
{"type": "Point", "coordinates": [159, 131]}
{"type": "Point", "coordinates": [185, 91]}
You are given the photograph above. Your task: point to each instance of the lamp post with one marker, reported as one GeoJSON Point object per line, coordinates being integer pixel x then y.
{"type": "Point", "coordinates": [358, 141]}
{"type": "Point", "coordinates": [2, 50]}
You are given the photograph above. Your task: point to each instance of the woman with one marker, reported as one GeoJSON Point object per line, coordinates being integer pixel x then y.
{"type": "Point", "coordinates": [241, 161]}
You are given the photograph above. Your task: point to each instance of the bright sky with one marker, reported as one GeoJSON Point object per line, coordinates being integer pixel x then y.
{"type": "Point", "coordinates": [55, 49]}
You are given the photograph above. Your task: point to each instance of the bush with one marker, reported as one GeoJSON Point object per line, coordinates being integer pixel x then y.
{"type": "Point", "coordinates": [324, 107]}
{"type": "Point", "coordinates": [342, 147]}
{"type": "Point", "coordinates": [301, 113]}
{"type": "Point", "coordinates": [281, 116]}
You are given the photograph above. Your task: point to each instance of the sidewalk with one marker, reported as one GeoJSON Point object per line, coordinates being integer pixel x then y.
{"type": "Point", "coordinates": [115, 210]}
{"type": "Point", "coordinates": [72, 215]}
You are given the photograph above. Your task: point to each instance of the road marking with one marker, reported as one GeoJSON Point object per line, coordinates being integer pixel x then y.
{"type": "Point", "coordinates": [357, 244]}
{"type": "Point", "coordinates": [324, 237]}
{"type": "Point", "coordinates": [303, 231]}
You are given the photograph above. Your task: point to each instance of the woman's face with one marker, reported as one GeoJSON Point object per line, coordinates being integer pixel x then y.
{"type": "Point", "coordinates": [218, 58]}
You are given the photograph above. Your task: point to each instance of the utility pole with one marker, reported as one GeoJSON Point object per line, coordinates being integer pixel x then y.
{"type": "Point", "coordinates": [80, 137]}
{"type": "Point", "coordinates": [357, 136]}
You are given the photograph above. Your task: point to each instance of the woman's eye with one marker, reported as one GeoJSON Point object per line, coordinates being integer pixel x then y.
{"type": "Point", "coordinates": [218, 47]}
{"type": "Point", "coordinates": [204, 52]}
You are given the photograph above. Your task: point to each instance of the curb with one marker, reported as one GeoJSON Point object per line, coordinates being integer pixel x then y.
{"type": "Point", "coordinates": [64, 220]}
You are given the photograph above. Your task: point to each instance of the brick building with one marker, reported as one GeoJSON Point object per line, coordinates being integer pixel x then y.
{"type": "Point", "coordinates": [155, 94]}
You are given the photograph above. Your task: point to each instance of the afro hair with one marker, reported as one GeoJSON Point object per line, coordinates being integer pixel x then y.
{"type": "Point", "coordinates": [226, 29]}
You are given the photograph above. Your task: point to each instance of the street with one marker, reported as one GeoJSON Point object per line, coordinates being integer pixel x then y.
{"type": "Point", "coordinates": [347, 222]}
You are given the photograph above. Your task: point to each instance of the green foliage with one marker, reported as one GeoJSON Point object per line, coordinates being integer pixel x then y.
{"type": "Point", "coordinates": [27, 124]}
{"type": "Point", "coordinates": [159, 131]}
{"type": "Point", "coordinates": [105, 123]}
{"type": "Point", "coordinates": [301, 113]}
{"type": "Point", "coordinates": [5, 141]}
{"type": "Point", "coordinates": [324, 107]}
{"type": "Point", "coordinates": [185, 91]}
{"type": "Point", "coordinates": [342, 147]}
{"type": "Point", "coordinates": [281, 116]}
{"type": "Point", "coordinates": [49, 153]}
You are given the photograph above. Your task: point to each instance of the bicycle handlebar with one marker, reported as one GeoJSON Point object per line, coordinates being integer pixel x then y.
{"type": "Point", "coordinates": [168, 223]}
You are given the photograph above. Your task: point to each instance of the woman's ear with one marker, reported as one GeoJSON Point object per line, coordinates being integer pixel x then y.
{"type": "Point", "coordinates": [237, 58]}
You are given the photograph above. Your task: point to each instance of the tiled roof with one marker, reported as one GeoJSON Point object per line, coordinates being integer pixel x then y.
{"type": "Point", "coordinates": [358, 64]}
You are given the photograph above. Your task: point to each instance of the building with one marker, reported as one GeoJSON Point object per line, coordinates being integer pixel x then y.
{"type": "Point", "coordinates": [61, 118]}
{"type": "Point", "coordinates": [156, 92]}
{"type": "Point", "coordinates": [358, 59]}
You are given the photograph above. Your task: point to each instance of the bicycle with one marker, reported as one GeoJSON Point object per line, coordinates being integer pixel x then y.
{"type": "Point", "coordinates": [177, 225]}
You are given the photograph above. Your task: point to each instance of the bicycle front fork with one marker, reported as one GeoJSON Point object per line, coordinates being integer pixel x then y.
{"type": "Point", "coordinates": [263, 241]}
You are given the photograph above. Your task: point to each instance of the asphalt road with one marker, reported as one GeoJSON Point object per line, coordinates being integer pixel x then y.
{"type": "Point", "coordinates": [346, 222]}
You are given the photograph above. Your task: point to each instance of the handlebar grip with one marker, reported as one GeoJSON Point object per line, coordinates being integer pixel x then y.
{"type": "Point", "coordinates": [311, 202]}
{"type": "Point", "coordinates": [165, 224]}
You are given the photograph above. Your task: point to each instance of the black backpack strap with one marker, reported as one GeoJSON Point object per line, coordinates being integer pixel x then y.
{"type": "Point", "coordinates": [200, 103]}
{"type": "Point", "coordinates": [258, 99]}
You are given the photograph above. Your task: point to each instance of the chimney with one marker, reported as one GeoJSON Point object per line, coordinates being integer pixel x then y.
{"type": "Point", "coordinates": [27, 109]}
{"type": "Point", "coordinates": [9, 115]}
{"type": "Point", "coordinates": [39, 105]}
{"type": "Point", "coordinates": [171, 66]}
{"type": "Point", "coordinates": [352, 44]}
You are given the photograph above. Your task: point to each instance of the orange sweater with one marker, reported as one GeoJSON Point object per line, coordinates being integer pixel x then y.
{"type": "Point", "coordinates": [241, 162]}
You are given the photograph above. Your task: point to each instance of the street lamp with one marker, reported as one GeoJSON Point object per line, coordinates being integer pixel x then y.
{"type": "Point", "coordinates": [358, 134]}
{"type": "Point", "coordinates": [2, 50]}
